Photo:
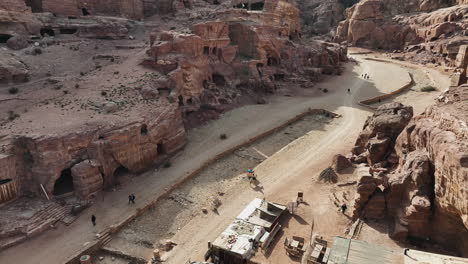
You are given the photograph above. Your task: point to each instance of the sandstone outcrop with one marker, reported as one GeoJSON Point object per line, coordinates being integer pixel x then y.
{"type": "Point", "coordinates": [12, 69]}
{"type": "Point", "coordinates": [248, 50]}
{"type": "Point", "coordinates": [428, 31]}
{"type": "Point", "coordinates": [381, 130]}
{"type": "Point", "coordinates": [39, 24]}
{"type": "Point", "coordinates": [340, 163]}
{"type": "Point", "coordinates": [93, 158]}
{"type": "Point", "coordinates": [321, 17]}
{"type": "Point", "coordinates": [422, 187]}
{"type": "Point", "coordinates": [74, 8]}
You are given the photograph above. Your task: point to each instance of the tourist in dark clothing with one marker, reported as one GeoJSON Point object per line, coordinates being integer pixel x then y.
{"type": "Point", "coordinates": [131, 198]}
{"type": "Point", "coordinates": [343, 208]}
{"type": "Point", "coordinates": [93, 219]}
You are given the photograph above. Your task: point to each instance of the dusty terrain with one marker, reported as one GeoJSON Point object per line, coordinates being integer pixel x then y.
{"type": "Point", "coordinates": [91, 99]}
{"type": "Point", "coordinates": [252, 119]}
{"type": "Point", "coordinates": [236, 191]}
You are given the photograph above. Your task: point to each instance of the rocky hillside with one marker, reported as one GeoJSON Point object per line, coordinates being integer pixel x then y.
{"type": "Point", "coordinates": [88, 93]}
{"type": "Point", "coordinates": [413, 172]}
{"type": "Point", "coordinates": [321, 17]}
{"type": "Point", "coordinates": [429, 31]}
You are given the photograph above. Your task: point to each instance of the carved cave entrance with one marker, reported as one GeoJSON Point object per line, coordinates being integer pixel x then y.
{"type": "Point", "coordinates": [219, 80]}
{"type": "Point", "coordinates": [161, 149]}
{"type": "Point", "coordinates": [64, 184]}
{"type": "Point", "coordinates": [85, 11]}
{"type": "Point", "coordinates": [121, 174]}
{"type": "Point", "coordinates": [47, 31]}
{"type": "Point", "coordinates": [36, 5]}
{"type": "Point", "coordinates": [257, 6]}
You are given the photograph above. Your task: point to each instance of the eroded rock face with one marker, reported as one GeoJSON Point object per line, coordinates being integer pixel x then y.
{"type": "Point", "coordinates": [381, 130]}
{"type": "Point", "coordinates": [25, 24]}
{"type": "Point", "coordinates": [252, 51]}
{"type": "Point", "coordinates": [321, 17]}
{"type": "Point", "coordinates": [423, 188]}
{"type": "Point", "coordinates": [429, 31]}
{"type": "Point", "coordinates": [11, 69]}
{"type": "Point", "coordinates": [340, 163]}
{"type": "Point", "coordinates": [93, 156]}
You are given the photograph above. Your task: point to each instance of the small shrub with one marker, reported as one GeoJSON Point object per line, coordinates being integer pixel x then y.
{"type": "Point", "coordinates": [167, 164]}
{"type": "Point", "coordinates": [77, 86]}
{"type": "Point", "coordinates": [103, 93]}
{"type": "Point", "coordinates": [12, 115]}
{"type": "Point", "coordinates": [223, 136]}
{"type": "Point", "coordinates": [13, 90]}
{"type": "Point", "coordinates": [82, 73]}
{"type": "Point", "coordinates": [37, 51]}
{"type": "Point", "coordinates": [428, 88]}
{"type": "Point", "coordinates": [65, 92]}
{"type": "Point", "coordinates": [325, 90]}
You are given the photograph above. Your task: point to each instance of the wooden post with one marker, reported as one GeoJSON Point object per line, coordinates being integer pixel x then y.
{"type": "Point", "coordinates": [43, 189]}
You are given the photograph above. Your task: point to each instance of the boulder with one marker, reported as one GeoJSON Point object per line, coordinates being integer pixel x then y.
{"type": "Point", "coordinates": [11, 69]}
{"type": "Point", "coordinates": [17, 42]}
{"type": "Point", "coordinates": [340, 163]}
{"type": "Point", "coordinates": [384, 126]}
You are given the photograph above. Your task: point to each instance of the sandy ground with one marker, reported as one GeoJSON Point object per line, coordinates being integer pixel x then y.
{"type": "Point", "coordinates": [295, 168]}
{"type": "Point", "coordinates": [282, 175]}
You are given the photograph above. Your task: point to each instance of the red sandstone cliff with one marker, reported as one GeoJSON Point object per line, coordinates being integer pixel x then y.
{"type": "Point", "coordinates": [418, 179]}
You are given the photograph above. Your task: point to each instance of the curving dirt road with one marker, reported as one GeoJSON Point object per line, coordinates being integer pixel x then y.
{"type": "Point", "coordinates": [281, 175]}
{"type": "Point", "coordinates": [294, 167]}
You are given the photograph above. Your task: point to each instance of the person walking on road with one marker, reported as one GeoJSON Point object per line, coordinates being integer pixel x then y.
{"type": "Point", "coordinates": [343, 208]}
{"type": "Point", "coordinates": [349, 90]}
{"type": "Point", "coordinates": [131, 198]}
{"type": "Point", "coordinates": [93, 219]}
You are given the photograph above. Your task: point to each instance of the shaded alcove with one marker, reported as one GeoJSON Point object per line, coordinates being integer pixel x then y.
{"type": "Point", "coordinates": [85, 11]}
{"type": "Point", "coordinates": [161, 149]}
{"type": "Point", "coordinates": [181, 100]}
{"type": "Point", "coordinates": [47, 31]}
{"type": "Point", "coordinates": [120, 172]}
{"type": "Point", "coordinates": [4, 38]}
{"type": "Point", "coordinates": [68, 30]}
{"type": "Point", "coordinates": [144, 129]}
{"type": "Point", "coordinates": [257, 6]}
{"type": "Point", "coordinates": [36, 5]}
{"type": "Point", "coordinates": [5, 181]}
{"type": "Point", "coordinates": [218, 79]}
{"type": "Point", "coordinates": [64, 184]}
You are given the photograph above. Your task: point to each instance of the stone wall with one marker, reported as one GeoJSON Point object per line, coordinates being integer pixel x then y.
{"type": "Point", "coordinates": [122, 8]}
{"type": "Point", "coordinates": [15, 6]}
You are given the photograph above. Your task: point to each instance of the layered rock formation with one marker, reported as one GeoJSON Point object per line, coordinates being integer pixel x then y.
{"type": "Point", "coordinates": [123, 8]}
{"type": "Point", "coordinates": [417, 176]}
{"type": "Point", "coordinates": [321, 17]}
{"type": "Point", "coordinates": [249, 50]}
{"type": "Point", "coordinates": [93, 157]}
{"type": "Point", "coordinates": [430, 31]}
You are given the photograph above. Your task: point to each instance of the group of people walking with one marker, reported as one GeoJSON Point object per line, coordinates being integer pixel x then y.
{"type": "Point", "coordinates": [131, 199]}
{"type": "Point", "coordinates": [365, 76]}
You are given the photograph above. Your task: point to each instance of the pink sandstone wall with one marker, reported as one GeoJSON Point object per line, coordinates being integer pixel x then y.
{"type": "Point", "coordinates": [14, 5]}
{"type": "Point", "coordinates": [124, 8]}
